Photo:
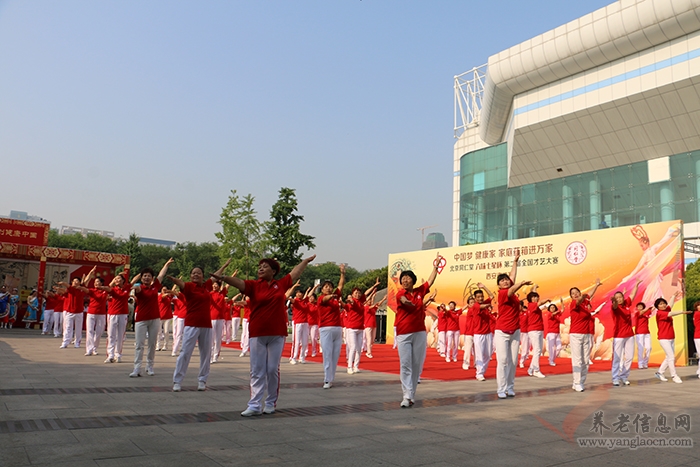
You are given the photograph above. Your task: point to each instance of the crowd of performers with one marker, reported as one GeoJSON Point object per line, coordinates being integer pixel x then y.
{"type": "Point", "coordinates": [203, 316]}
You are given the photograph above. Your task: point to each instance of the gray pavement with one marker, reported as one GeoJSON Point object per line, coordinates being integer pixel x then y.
{"type": "Point", "coordinates": [59, 407]}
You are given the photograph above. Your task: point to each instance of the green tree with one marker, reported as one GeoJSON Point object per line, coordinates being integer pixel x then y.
{"type": "Point", "coordinates": [284, 231]}
{"type": "Point", "coordinates": [132, 248]}
{"type": "Point", "coordinates": [242, 236]}
{"type": "Point", "coordinates": [327, 272]}
{"type": "Point", "coordinates": [692, 285]}
{"type": "Point", "coordinates": [367, 279]}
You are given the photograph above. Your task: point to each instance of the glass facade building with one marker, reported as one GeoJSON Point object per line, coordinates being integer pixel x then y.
{"type": "Point", "coordinates": [630, 194]}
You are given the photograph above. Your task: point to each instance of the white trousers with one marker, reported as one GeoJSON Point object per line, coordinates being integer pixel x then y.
{"type": "Point", "coordinates": [483, 348]}
{"type": "Point", "coordinates": [670, 361]}
{"type": "Point", "coordinates": [535, 338]}
{"type": "Point", "coordinates": [178, 329]}
{"type": "Point", "coordinates": [116, 331]}
{"type": "Point", "coordinates": [452, 344]}
{"type": "Point", "coordinates": [354, 346]}
{"type": "Point", "coordinates": [553, 346]}
{"type": "Point", "coordinates": [265, 356]}
{"type": "Point", "coordinates": [314, 337]}
{"type": "Point", "coordinates": [150, 327]}
{"type": "Point", "coordinates": [331, 341]}
{"type": "Point", "coordinates": [643, 349]}
{"type": "Point", "coordinates": [94, 327]}
{"type": "Point", "coordinates": [368, 339]}
{"type": "Point", "coordinates": [468, 348]}
{"type": "Point", "coordinates": [58, 323]}
{"type": "Point", "coordinates": [506, 356]}
{"type": "Point", "coordinates": [245, 340]}
{"type": "Point", "coordinates": [217, 329]}
{"type": "Point", "coordinates": [697, 351]}
{"type": "Point", "coordinates": [73, 323]}
{"type": "Point", "coordinates": [301, 342]}
{"type": "Point", "coordinates": [441, 343]}
{"type": "Point", "coordinates": [623, 353]}
{"type": "Point", "coordinates": [226, 336]}
{"type": "Point", "coordinates": [48, 321]}
{"type": "Point", "coordinates": [165, 325]}
{"type": "Point", "coordinates": [192, 336]}
{"type": "Point", "coordinates": [524, 347]}
{"type": "Point", "coordinates": [412, 348]}
{"type": "Point", "coordinates": [580, 345]}
{"type": "Point", "coordinates": [235, 326]}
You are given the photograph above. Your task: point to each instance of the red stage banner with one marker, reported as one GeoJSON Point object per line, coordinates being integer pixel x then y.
{"type": "Point", "coordinates": [24, 232]}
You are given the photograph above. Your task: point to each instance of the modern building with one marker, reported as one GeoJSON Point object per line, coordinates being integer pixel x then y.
{"type": "Point", "coordinates": [593, 124]}
{"type": "Point", "coordinates": [68, 230]}
{"type": "Point", "coordinates": [24, 216]}
{"type": "Point", "coordinates": [434, 240]}
{"type": "Point", "coordinates": [157, 242]}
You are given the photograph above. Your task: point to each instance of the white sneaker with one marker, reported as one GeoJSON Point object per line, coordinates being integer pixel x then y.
{"type": "Point", "coordinates": [350, 371]}
{"type": "Point", "coordinates": [356, 370]}
{"type": "Point", "coordinates": [480, 378]}
{"type": "Point", "coordinates": [243, 354]}
{"type": "Point", "coordinates": [213, 360]}
{"type": "Point", "coordinates": [150, 372]}
{"type": "Point", "coordinates": [88, 354]}
{"type": "Point", "coordinates": [626, 383]}
{"type": "Point", "coordinates": [677, 379]}
{"type": "Point", "coordinates": [292, 361]}
{"type": "Point", "coordinates": [63, 347]}
{"type": "Point", "coordinates": [616, 383]}
{"type": "Point", "coordinates": [502, 395]}
{"type": "Point", "coordinates": [201, 386]}
{"type": "Point", "coordinates": [406, 403]}
{"type": "Point", "coordinates": [119, 359]}
{"type": "Point", "coordinates": [369, 355]}
{"type": "Point", "coordinates": [510, 393]}
{"type": "Point", "coordinates": [177, 387]}
{"type": "Point", "coordinates": [465, 366]}
{"type": "Point", "coordinates": [250, 412]}
{"type": "Point", "coordinates": [577, 388]}
{"type": "Point", "coordinates": [109, 360]}
{"type": "Point", "coordinates": [134, 374]}
{"type": "Point", "coordinates": [660, 377]}
{"type": "Point", "coordinates": [302, 361]}
{"type": "Point", "coordinates": [327, 385]}
{"type": "Point", "coordinates": [552, 364]}
{"type": "Point", "coordinates": [522, 365]}
{"type": "Point", "coordinates": [269, 409]}
{"type": "Point", "coordinates": [447, 359]}
{"type": "Point", "coordinates": [537, 374]}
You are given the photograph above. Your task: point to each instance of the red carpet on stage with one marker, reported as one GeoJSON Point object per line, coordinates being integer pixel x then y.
{"type": "Point", "coordinates": [386, 360]}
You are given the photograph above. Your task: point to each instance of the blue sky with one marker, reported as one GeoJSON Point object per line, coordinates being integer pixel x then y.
{"type": "Point", "coordinates": [142, 116]}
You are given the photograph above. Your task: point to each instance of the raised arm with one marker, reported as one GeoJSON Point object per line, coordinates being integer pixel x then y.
{"type": "Point", "coordinates": [483, 287]}
{"type": "Point", "coordinates": [290, 290]}
{"type": "Point", "coordinates": [221, 270]}
{"type": "Point", "coordinates": [164, 270]}
{"type": "Point", "coordinates": [514, 268]}
{"type": "Point", "coordinates": [372, 289]}
{"type": "Point", "coordinates": [91, 274]}
{"type": "Point", "coordinates": [434, 273]}
{"type": "Point", "coordinates": [231, 280]}
{"type": "Point", "coordinates": [177, 281]}
{"type": "Point", "coordinates": [634, 291]}
{"type": "Point", "coordinates": [595, 288]}
{"type": "Point", "coordinates": [299, 268]}
{"type": "Point", "coordinates": [515, 287]}
{"type": "Point", "coordinates": [341, 281]}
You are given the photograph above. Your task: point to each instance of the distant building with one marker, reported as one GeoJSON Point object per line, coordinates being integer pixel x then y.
{"type": "Point", "coordinates": [68, 230]}
{"type": "Point", "coordinates": [157, 242]}
{"type": "Point", "coordinates": [23, 216]}
{"type": "Point", "coordinates": [434, 240]}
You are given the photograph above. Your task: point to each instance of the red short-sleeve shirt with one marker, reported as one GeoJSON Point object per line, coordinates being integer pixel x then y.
{"type": "Point", "coordinates": [371, 316]}
{"type": "Point", "coordinates": [481, 319]}
{"type": "Point", "coordinates": [147, 302]}
{"type": "Point", "coordinates": [534, 317]}
{"type": "Point", "coordinates": [268, 313]}
{"type": "Point", "coordinates": [329, 312]}
{"type": "Point", "coordinates": [313, 314]}
{"type": "Point", "coordinates": [300, 310]}
{"type": "Point", "coordinates": [642, 326]}
{"type": "Point", "coordinates": [356, 314]}
{"type": "Point", "coordinates": [74, 300]}
{"type": "Point", "coordinates": [119, 300]}
{"type": "Point", "coordinates": [622, 320]}
{"type": "Point", "coordinates": [217, 305]}
{"type": "Point", "coordinates": [553, 323]}
{"type": "Point", "coordinates": [98, 302]}
{"type": "Point", "coordinates": [198, 303]}
{"type": "Point", "coordinates": [665, 324]}
{"type": "Point", "coordinates": [508, 319]}
{"type": "Point", "coordinates": [410, 319]}
{"type": "Point", "coordinates": [581, 319]}
{"type": "Point", "coordinates": [165, 306]}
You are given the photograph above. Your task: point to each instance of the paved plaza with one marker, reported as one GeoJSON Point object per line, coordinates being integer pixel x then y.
{"type": "Point", "coordinates": [61, 408]}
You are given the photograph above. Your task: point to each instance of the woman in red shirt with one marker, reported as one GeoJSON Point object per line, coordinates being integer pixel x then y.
{"type": "Point", "coordinates": [666, 336]}
{"type": "Point", "coordinates": [553, 336]}
{"type": "Point", "coordinates": [506, 336]}
{"type": "Point", "coordinates": [197, 330]}
{"type": "Point", "coordinates": [579, 334]}
{"type": "Point", "coordinates": [623, 336]}
{"type": "Point", "coordinates": [355, 326]}
{"type": "Point", "coordinates": [330, 326]}
{"type": "Point", "coordinates": [411, 336]}
{"type": "Point", "coordinates": [267, 328]}
{"type": "Point", "coordinates": [642, 335]}
{"type": "Point", "coordinates": [118, 313]}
